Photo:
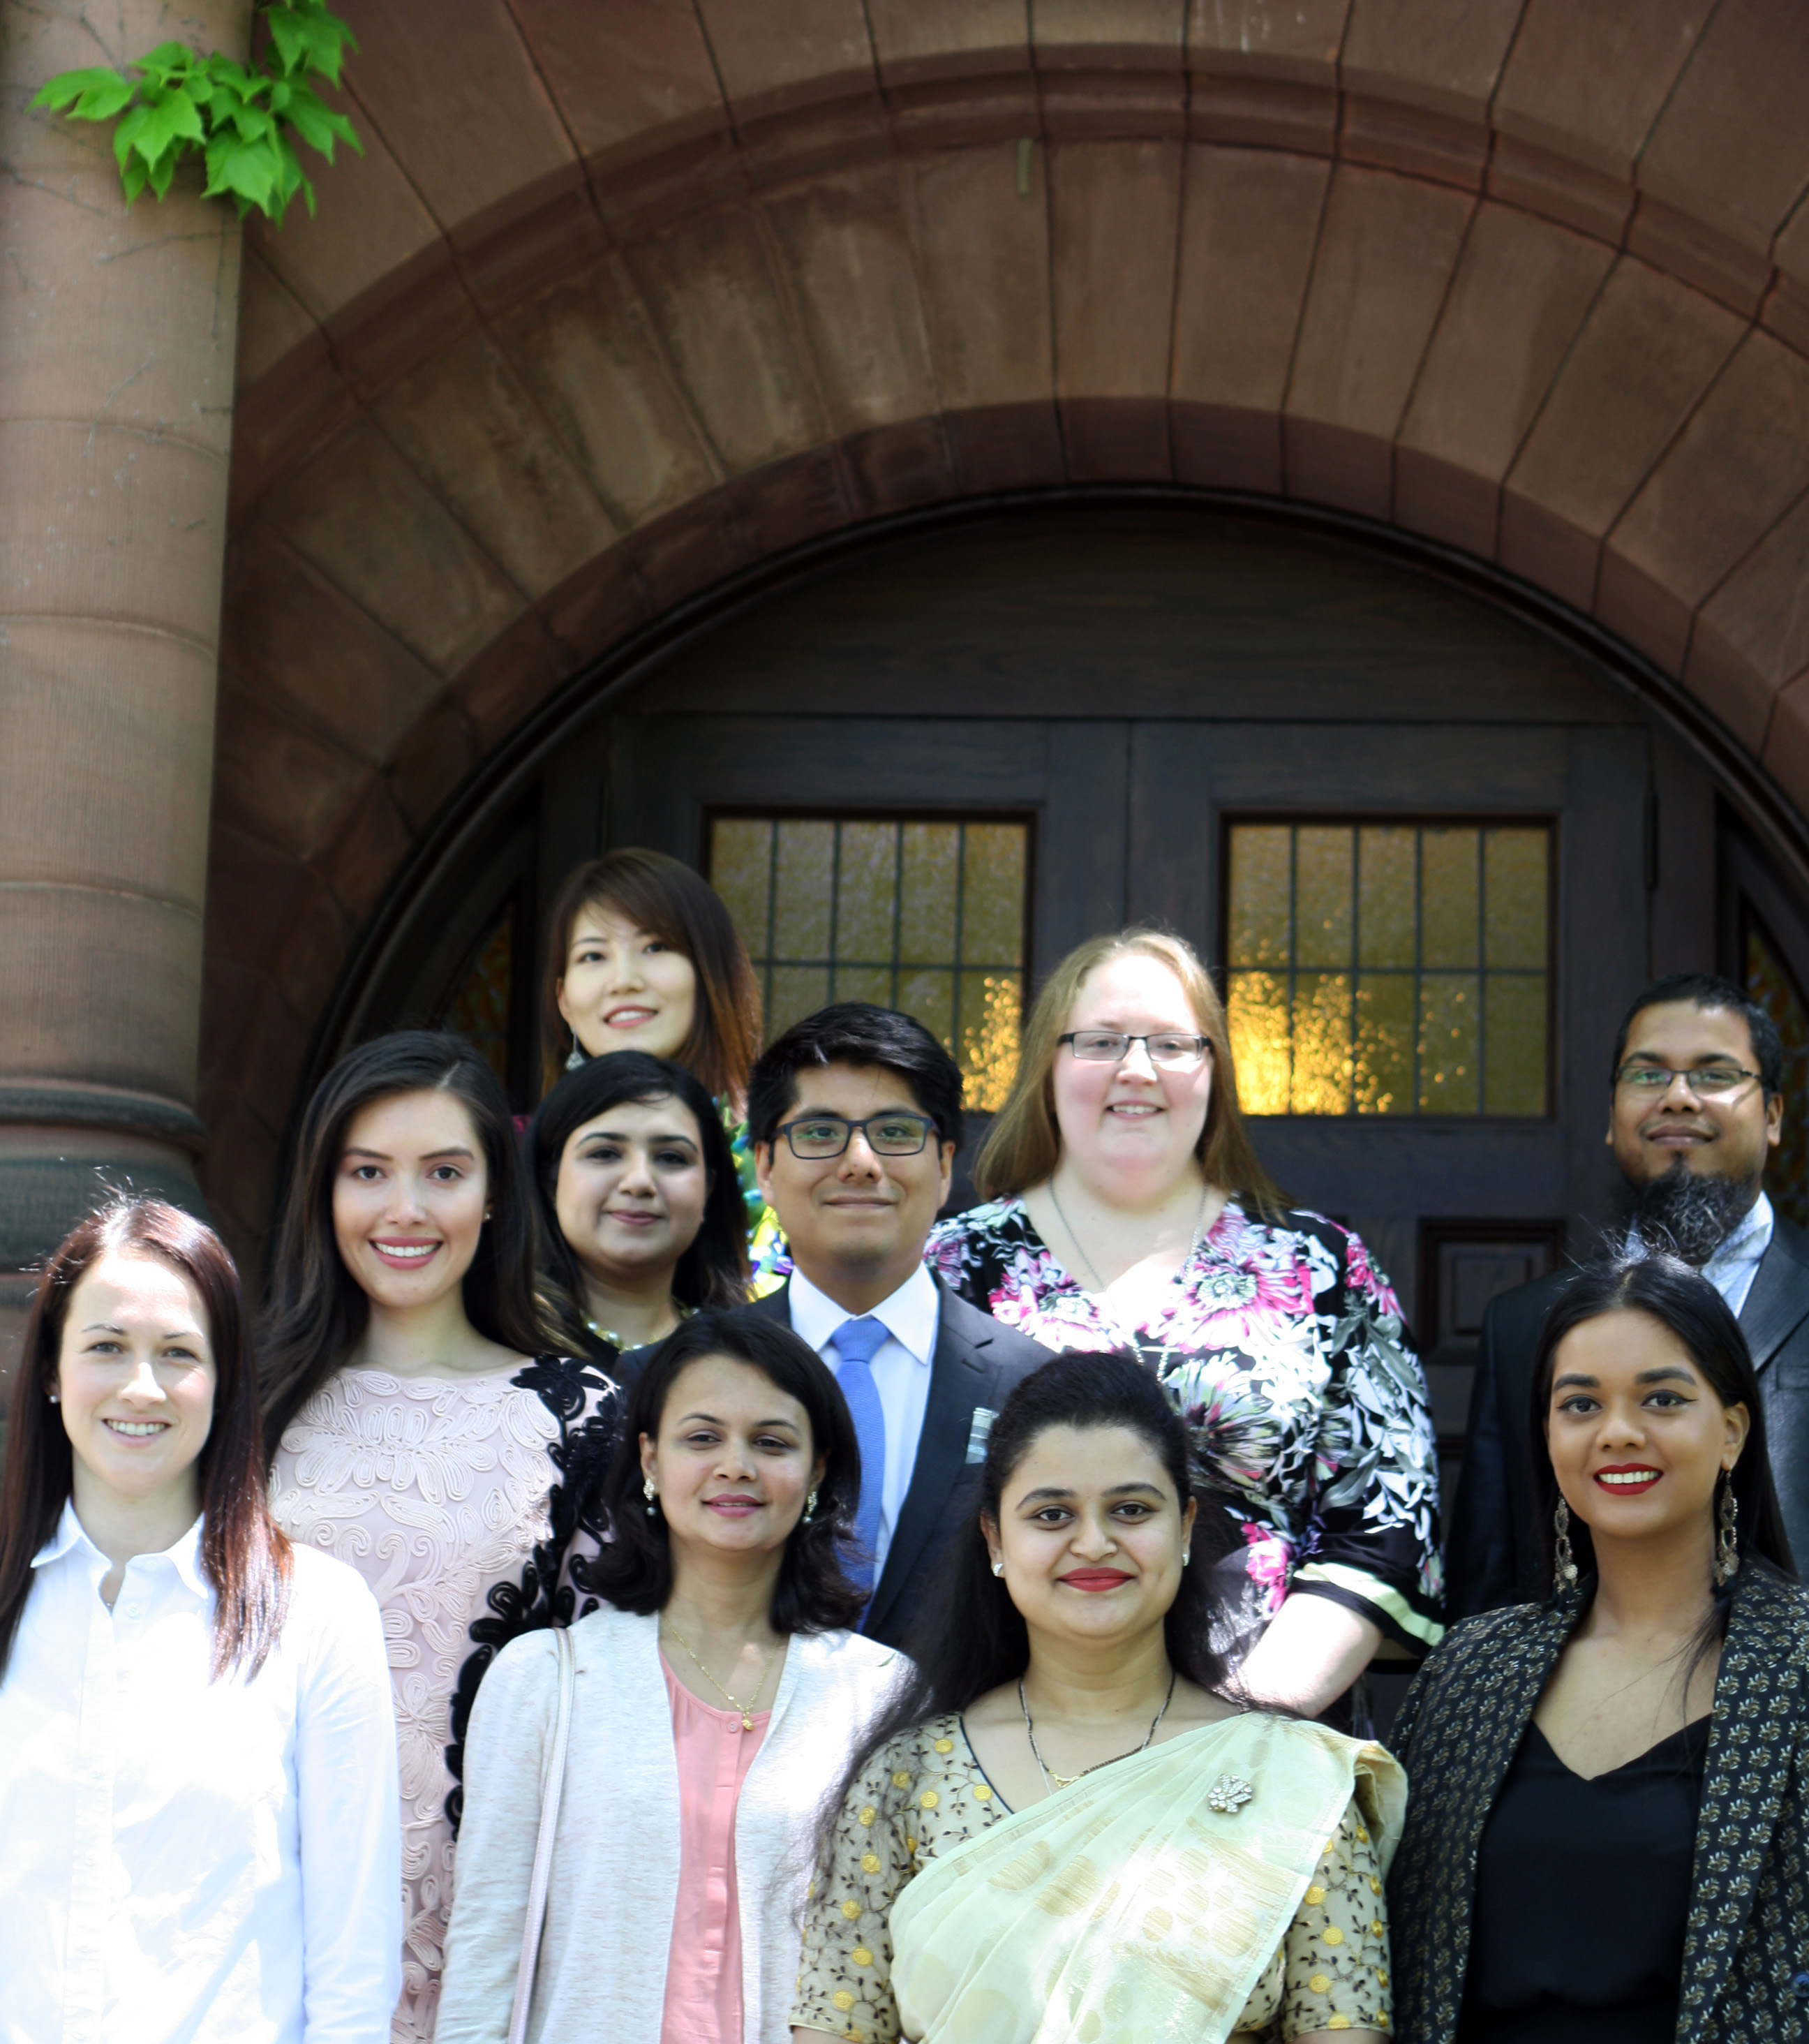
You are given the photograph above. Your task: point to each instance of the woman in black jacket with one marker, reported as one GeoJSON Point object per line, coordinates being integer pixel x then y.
{"type": "Point", "coordinates": [1607, 1837]}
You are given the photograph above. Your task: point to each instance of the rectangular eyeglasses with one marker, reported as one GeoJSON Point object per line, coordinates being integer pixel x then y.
{"type": "Point", "coordinates": [1169, 1048]}
{"type": "Point", "coordinates": [814, 1137]}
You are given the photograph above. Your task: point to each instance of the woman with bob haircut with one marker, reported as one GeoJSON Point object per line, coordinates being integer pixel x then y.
{"type": "Point", "coordinates": [641, 1219]}
{"type": "Point", "coordinates": [1127, 1210]}
{"type": "Point", "coordinates": [718, 1694]}
{"type": "Point", "coordinates": [197, 1752]}
{"type": "Point", "coordinates": [642, 955]}
{"type": "Point", "coordinates": [1610, 1789]}
{"type": "Point", "coordinates": [422, 1427]}
{"type": "Point", "coordinates": [1063, 1827]}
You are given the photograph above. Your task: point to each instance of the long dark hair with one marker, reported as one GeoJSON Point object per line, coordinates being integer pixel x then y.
{"type": "Point", "coordinates": [663, 896]}
{"type": "Point", "coordinates": [713, 1270]}
{"type": "Point", "coordinates": [318, 1311]}
{"type": "Point", "coordinates": [1684, 1303]}
{"type": "Point", "coordinates": [633, 1570]}
{"type": "Point", "coordinates": [973, 1638]}
{"type": "Point", "coordinates": [244, 1554]}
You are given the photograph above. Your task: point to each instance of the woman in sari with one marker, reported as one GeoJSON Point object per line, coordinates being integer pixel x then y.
{"type": "Point", "coordinates": [1064, 1828]}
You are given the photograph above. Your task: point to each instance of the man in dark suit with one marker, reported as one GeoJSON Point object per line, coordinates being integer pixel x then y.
{"type": "Point", "coordinates": [1695, 1109]}
{"type": "Point", "coordinates": [854, 1114]}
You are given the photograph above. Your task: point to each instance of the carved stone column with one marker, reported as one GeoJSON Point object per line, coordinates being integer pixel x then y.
{"type": "Point", "coordinates": [116, 334]}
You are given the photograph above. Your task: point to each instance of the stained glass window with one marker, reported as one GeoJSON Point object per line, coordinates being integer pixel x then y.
{"type": "Point", "coordinates": [924, 915]}
{"type": "Point", "coordinates": [1398, 968]}
{"type": "Point", "coordinates": [1769, 983]}
{"type": "Point", "coordinates": [479, 1006]}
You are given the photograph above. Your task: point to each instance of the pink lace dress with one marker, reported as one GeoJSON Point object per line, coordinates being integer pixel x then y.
{"type": "Point", "coordinates": [457, 1501]}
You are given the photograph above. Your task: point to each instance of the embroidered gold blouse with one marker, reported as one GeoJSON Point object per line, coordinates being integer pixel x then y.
{"type": "Point", "coordinates": [924, 1792]}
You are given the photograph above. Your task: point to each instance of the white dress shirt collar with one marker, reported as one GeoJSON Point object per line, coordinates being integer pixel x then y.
{"type": "Point", "coordinates": [909, 1316]}
{"type": "Point", "coordinates": [184, 1557]}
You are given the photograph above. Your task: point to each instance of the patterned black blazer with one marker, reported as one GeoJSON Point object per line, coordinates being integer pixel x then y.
{"type": "Point", "coordinates": [1745, 1965]}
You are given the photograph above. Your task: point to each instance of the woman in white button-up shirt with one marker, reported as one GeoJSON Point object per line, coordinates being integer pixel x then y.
{"type": "Point", "coordinates": [198, 1833]}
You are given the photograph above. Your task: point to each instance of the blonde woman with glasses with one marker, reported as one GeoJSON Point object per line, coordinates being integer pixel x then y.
{"type": "Point", "coordinates": [1126, 1209]}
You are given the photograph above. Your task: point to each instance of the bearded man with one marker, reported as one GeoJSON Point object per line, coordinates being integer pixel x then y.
{"type": "Point", "coordinates": [1695, 1109]}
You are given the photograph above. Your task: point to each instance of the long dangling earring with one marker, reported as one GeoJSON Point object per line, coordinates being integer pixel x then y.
{"type": "Point", "coordinates": [1563, 1562]}
{"type": "Point", "coordinates": [649, 1493]}
{"type": "Point", "coordinates": [575, 1059]}
{"type": "Point", "coordinates": [810, 1508]}
{"type": "Point", "coordinates": [1726, 1538]}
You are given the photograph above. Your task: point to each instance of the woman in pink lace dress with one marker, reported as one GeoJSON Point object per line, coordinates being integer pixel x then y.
{"type": "Point", "coordinates": [418, 1429]}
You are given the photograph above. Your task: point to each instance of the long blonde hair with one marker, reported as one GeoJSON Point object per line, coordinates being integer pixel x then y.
{"type": "Point", "coordinates": [1024, 1144]}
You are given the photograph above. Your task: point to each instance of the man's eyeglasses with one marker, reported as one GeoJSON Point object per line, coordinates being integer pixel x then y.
{"type": "Point", "coordinates": [1170, 1048]}
{"type": "Point", "coordinates": [1707, 1080]}
{"type": "Point", "coordinates": [814, 1137]}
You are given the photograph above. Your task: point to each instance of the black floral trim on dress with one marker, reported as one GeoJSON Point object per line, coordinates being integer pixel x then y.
{"type": "Point", "coordinates": [573, 1390]}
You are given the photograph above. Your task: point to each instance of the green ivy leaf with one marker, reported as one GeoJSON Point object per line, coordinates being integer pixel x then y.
{"type": "Point", "coordinates": [246, 170]}
{"type": "Point", "coordinates": [169, 64]}
{"type": "Point", "coordinates": [306, 38]}
{"type": "Point", "coordinates": [317, 123]}
{"type": "Point", "coordinates": [97, 93]}
{"type": "Point", "coordinates": [172, 119]}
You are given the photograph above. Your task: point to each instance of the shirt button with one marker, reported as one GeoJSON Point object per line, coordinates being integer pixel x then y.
{"type": "Point", "coordinates": [132, 1611]}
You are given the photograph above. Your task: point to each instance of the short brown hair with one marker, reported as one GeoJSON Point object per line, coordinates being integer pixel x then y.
{"type": "Point", "coordinates": [1023, 1144]}
{"type": "Point", "coordinates": [664, 896]}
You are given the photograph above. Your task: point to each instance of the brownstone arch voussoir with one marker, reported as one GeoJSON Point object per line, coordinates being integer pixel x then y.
{"type": "Point", "coordinates": [711, 297]}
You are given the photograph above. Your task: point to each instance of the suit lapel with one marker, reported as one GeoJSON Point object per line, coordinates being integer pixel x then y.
{"type": "Point", "coordinates": [958, 1378]}
{"type": "Point", "coordinates": [1779, 1301]}
{"type": "Point", "coordinates": [1746, 1775]}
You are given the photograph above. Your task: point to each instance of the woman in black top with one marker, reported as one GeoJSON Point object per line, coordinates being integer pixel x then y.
{"type": "Point", "coordinates": [1608, 1836]}
{"type": "Point", "coordinates": [639, 1211]}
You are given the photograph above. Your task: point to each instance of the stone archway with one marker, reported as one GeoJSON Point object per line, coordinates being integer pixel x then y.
{"type": "Point", "coordinates": [735, 275]}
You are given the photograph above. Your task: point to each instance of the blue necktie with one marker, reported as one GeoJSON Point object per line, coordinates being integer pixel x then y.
{"type": "Point", "coordinates": [857, 1343]}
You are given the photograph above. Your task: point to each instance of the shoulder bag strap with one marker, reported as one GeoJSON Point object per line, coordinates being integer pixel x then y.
{"type": "Point", "coordinates": [550, 1792]}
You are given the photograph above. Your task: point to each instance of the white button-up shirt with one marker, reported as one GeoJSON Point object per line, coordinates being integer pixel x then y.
{"type": "Point", "coordinates": [900, 1372]}
{"type": "Point", "coordinates": [216, 1862]}
{"type": "Point", "coordinates": [1735, 1263]}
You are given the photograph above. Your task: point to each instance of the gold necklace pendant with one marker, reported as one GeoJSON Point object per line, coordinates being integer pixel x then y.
{"type": "Point", "coordinates": [746, 1709]}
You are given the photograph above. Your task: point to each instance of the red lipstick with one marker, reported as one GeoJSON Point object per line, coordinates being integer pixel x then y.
{"type": "Point", "coordinates": [1632, 1479]}
{"type": "Point", "coordinates": [1094, 1581]}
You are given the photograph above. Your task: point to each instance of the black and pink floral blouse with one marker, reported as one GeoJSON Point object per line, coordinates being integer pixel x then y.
{"type": "Point", "coordinates": [1283, 1346]}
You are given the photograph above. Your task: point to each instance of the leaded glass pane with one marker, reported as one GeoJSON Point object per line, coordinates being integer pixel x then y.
{"type": "Point", "coordinates": [923, 915]}
{"type": "Point", "coordinates": [1389, 968]}
{"type": "Point", "coordinates": [1770, 983]}
{"type": "Point", "coordinates": [478, 1010]}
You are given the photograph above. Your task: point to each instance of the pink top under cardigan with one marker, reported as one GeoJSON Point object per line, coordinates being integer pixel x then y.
{"type": "Point", "coordinates": [703, 1992]}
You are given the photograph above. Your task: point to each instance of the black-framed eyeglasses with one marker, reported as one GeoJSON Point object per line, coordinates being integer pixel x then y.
{"type": "Point", "coordinates": [1709, 1081]}
{"type": "Point", "coordinates": [1173, 1049]}
{"type": "Point", "coordinates": [814, 1137]}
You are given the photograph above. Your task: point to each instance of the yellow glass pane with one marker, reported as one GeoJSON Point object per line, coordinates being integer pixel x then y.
{"type": "Point", "coordinates": [801, 910]}
{"type": "Point", "coordinates": [1256, 1011]}
{"type": "Point", "coordinates": [479, 1012]}
{"type": "Point", "coordinates": [866, 890]}
{"type": "Point", "coordinates": [863, 982]}
{"type": "Point", "coordinates": [1322, 1043]}
{"type": "Point", "coordinates": [1514, 893]}
{"type": "Point", "coordinates": [1321, 897]}
{"type": "Point", "coordinates": [797, 991]}
{"type": "Point", "coordinates": [1260, 858]}
{"type": "Point", "coordinates": [1514, 1074]}
{"type": "Point", "coordinates": [1386, 1032]}
{"type": "Point", "coordinates": [1448, 898]}
{"type": "Point", "coordinates": [741, 871]}
{"type": "Point", "coordinates": [991, 910]}
{"type": "Point", "coordinates": [1385, 895]}
{"type": "Point", "coordinates": [930, 996]}
{"type": "Point", "coordinates": [991, 1018]}
{"type": "Point", "coordinates": [1449, 1078]}
{"type": "Point", "coordinates": [927, 916]}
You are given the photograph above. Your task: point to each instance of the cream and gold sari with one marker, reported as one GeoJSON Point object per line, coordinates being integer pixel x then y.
{"type": "Point", "coordinates": [1141, 1904]}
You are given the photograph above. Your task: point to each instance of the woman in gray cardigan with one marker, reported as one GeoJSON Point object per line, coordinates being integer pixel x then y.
{"type": "Point", "coordinates": [719, 1693]}
{"type": "Point", "coordinates": [1607, 1834]}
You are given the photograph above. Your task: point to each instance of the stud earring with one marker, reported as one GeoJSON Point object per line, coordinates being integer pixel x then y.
{"type": "Point", "coordinates": [998, 1567]}
{"type": "Point", "coordinates": [55, 1397]}
{"type": "Point", "coordinates": [1726, 1538]}
{"type": "Point", "coordinates": [1563, 1561]}
{"type": "Point", "coordinates": [1186, 1556]}
{"type": "Point", "coordinates": [649, 1493]}
{"type": "Point", "coordinates": [810, 1508]}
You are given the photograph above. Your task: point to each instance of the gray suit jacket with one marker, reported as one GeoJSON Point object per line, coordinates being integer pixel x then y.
{"type": "Point", "coordinates": [1494, 1557]}
{"type": "Point", "coordinates": [976, 1365]}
